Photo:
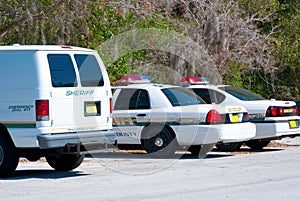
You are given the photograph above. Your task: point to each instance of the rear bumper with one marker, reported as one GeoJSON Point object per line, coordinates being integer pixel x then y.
{"type": "Point", "coordinates": [47, 141]}
{"type": "Point", "coordinates": [210, 134]}
{"type": "Point", "coordinates": [238, 132]}
{"type": "Point", "coordinates": [275, 129]}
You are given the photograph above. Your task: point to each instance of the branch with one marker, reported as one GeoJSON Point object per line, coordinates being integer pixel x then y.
{"type": "Point", "coordinates": [25, 19]}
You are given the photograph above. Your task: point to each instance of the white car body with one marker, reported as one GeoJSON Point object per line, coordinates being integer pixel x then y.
{"type": "Point", "coordinates": [266, 127]}
{"type": "Point", "coordinates": [53, 100]}
{"type": "Point", "coordinates": [187, 122]}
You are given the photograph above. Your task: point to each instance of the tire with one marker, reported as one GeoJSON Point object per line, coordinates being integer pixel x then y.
{"type": "Point", "coordinates": [194, 149]}
{"type": "Point", "coordinates": [234, 146]}
{"type": "Point", "coordinates": [257, 144]}
{"type": "Point", "coordinates": [9, 158]}
{"type": "Point", "coordinates": [64, 162]}
{"type": "Point", "coordinates": [159, 141]}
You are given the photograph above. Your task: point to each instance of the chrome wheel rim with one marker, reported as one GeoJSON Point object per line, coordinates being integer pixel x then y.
{"type": "Point", "coordinates": [159, 142]}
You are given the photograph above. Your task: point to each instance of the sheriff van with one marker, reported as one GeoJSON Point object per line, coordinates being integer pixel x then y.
{"type": "Point", "coordinates": [55, 101]}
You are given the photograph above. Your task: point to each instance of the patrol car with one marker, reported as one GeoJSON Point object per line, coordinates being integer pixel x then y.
{"type": "Point", "coordinates": [54, 102]}
{"type": "Point", "coordinates": [274, 119]}
{"type": "Point", "coordinates": [162, 118]}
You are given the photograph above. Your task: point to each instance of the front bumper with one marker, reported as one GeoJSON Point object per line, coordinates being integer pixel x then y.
{"type": "Point", "coordinates": [47, 141]}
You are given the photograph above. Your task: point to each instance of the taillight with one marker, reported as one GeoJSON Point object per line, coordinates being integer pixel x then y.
{"type": "Point", "coordinates": [295, 110]}
{"type": "Point", "coordinates": [110, 105]}
{"type": "Point", "coordinates": [213, 117]}
{"type": "Point", "coordinates": [42, 110]}
{"type": "Point", "coordinates": [280, 111]}
{"type": "Point", "coordinates": [275, 111]}
{"type": "Point", "coordinates": [245, 117]}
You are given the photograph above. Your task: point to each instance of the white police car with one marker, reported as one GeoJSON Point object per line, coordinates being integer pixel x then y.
{"type": "Point", "coordinates": [273, 119]}
{"type": "Point", "coordinates": [162, 118]}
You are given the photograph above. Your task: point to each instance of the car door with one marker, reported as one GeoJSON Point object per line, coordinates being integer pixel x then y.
{"type": "Point", "coordinates": [131, 113]}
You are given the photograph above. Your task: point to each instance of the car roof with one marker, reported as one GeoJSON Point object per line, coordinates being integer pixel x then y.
{"type": "Point", "coordinates": [145, 86]}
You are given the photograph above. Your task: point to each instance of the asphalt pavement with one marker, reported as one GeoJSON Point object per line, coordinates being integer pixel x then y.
{"type": "Point", "coordinates": [270, 174]}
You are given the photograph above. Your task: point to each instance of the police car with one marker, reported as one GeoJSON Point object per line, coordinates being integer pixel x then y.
{"type": "Point", "coordinates": [162, 118]}
{"type": "Point", "coordinates": [273, 119]}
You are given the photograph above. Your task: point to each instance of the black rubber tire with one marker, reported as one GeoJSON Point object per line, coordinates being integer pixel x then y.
{"type": "Point", "coordinates": [9, 158]}
{"type": "Point", "coordinates": [194, 149]}
{"type": "Point", "coordinates": [168, 140]}
{"type": "Point", "coordinates": [257, 144]}
{"type": "Point", "coordinates": [64, 162]}
{"type": "Point", "coordinates": [234, 146]}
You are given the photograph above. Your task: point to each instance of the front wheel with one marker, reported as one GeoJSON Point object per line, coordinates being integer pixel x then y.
{"type": "Point", "coordinates": [234, 146]}
{"type": "Point", "coordinates": [257, 144]}
{"type": "Point", "coordinates": [159, 142]}
{"type": "Point", "coordinates": [64, 162]}
{"type": "Point", "coordinates": [9, 158]}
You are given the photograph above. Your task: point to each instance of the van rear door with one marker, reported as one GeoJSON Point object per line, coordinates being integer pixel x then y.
{"type": "Point", "coordinates": [80, 95]}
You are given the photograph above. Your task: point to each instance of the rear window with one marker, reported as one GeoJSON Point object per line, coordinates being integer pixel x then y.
{"type": "Point", "coordinates": [242, 94]}
{"type": "Point", "coordinates": [62, 70]}
{"type": "Point", "coordinates": [89, 70]}
{"type": "Point", "coordinates": [182, 96]}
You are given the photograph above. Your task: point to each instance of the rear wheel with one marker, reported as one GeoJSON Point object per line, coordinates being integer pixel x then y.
{"type": "Point", "coordinates": [201, 150]}
{"type": "Point", "coordinates": [9, 158]}
{"type": "Point", "coordinates": [229, 146]}
{"type": "Point", "coordinates": [159, 141]}
{"type": "Point", "coordinates": [194, 149]}
{"type": "Point", "coordinates": [257, 144]}
{"type": "Point", "coordinates": [64, 162]}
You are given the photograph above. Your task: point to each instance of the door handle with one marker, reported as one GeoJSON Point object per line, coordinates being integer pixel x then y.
{"type": "Point", "coordinates": [141, 115]}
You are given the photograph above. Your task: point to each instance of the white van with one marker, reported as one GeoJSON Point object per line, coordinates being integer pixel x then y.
{"type": "Point", "coordinates": [54, 102]}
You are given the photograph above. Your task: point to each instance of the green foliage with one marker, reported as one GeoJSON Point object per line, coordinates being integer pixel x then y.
{"type": "Point", "coordinates": [90, 23]}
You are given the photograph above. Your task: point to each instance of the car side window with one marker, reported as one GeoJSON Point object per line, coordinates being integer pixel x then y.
{"type": "Point", "coordinates": [132, 99]}
{"type": "Point", "coordinates": [143, 101]}
{"type": "Point", "coordinates": [204, 94]}
{"type": "Point", "coordinates": [210, 96]}
{"type": "Point", "coordinates": [219, 97]}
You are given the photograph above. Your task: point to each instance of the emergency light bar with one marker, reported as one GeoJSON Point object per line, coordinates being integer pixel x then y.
{"type": "Point", "coordinates": [124, 80]}
{"type": "Point", "coordinates": [194, 80]}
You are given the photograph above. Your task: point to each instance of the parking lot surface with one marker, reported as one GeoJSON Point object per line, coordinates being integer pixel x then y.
{"type": "Point", "coordinates": [270, 174]}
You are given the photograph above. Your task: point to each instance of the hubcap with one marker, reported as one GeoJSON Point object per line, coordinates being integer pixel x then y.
{"type": "Point", "coordinates": [1, 155]}
{"type": "Point", "coordinates": [159, 142]}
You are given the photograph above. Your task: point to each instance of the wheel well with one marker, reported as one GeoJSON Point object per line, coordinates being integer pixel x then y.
{"type": "Point", "coordinates": [152, 126]}
{"type": "Point", "coordinates": [4, 133]}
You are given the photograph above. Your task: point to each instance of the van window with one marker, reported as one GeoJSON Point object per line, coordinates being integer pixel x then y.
{"type": "Point", "coordinates": [89, 70]}
{"type": "Point", "coordinates": [62, 70]}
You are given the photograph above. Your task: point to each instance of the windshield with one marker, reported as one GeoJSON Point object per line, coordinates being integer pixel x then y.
{"type": "Point", "coordinates": [181, 96]}
{"type": "Point", "coordinates": [242, 94]}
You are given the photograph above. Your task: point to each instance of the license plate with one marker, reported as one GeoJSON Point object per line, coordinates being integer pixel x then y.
{"type": "Point", "coordinates": [294, 124]}
{"type": "Point", "coordinates": [289, 110]}
{"type": "Point", "coordinates": [92, 108]}
{"type": "Point", "coordinates": [234, 118]}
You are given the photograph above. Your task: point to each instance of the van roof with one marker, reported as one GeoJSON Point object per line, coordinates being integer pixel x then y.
{"type": "Point", "coordinates": [44, 48]}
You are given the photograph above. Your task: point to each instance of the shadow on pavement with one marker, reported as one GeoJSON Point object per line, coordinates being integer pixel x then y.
{"type": "Point", "coordinates": [250, 151]}
{"type": "Point", "coordinates": [143, 155]}
{"type": "Point", "coordinates": [43, 174]}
